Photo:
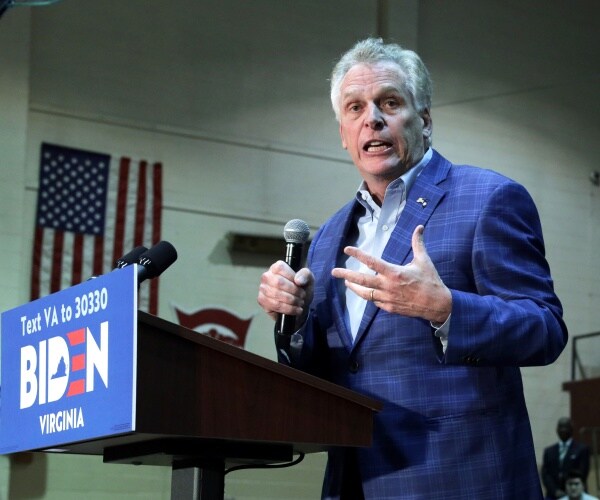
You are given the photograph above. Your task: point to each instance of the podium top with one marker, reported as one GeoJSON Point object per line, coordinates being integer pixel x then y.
{"type": "Point", "coordinates": [197, 390]}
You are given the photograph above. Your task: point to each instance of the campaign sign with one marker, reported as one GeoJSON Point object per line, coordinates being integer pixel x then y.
{"type": "Point", "coordinates": [68, 365]}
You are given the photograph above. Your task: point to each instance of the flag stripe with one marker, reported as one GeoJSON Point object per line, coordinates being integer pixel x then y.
{"type": "Point", "coordinates": [156, 209]}
{"type": "Point", "coordinates": [36, 266]}
{"type": "Point", "coordinates": [77, 259]}
{"type": "Point", "coordinates": [140, 206]}
{"type": "Point", "coordinates": [56, 274]}
{"type": "Point", "coordinates": [46, 253]}
{"type": "Point", "coordinates": [87, 266]}
{"type": "Point", "coordinates": [67, 260]}
{"type": "Point", "coordinates": [98, 256]}
{"type": "Point", "coordinates": [123, 174]}
{"type": "Point", "coordinates": [157, 206]}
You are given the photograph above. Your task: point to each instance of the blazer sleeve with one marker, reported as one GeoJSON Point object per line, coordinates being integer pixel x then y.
{"type": "Point", "coordinates": [513, 317]}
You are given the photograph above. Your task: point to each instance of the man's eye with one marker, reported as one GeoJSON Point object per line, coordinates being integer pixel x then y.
{"type": "Point", "coordinates": [391, 103]}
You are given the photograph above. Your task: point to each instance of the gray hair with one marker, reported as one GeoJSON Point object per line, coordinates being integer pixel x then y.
{"type": "Point", "coordinates": [372, 50]}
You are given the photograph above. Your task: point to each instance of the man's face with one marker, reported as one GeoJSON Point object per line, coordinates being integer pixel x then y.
{"type": "Point", "coordinates": [379, 124]}
{"type": "Point", "coordinates": [564, 430]}
{"type": "Point", "coordinates": [574, 488]}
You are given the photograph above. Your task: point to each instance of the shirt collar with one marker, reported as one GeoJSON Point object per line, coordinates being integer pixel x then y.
{"type": "Point", "coordinates": [405, 181]}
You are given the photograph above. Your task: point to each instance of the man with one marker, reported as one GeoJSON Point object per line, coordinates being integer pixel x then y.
{"type": "Point", "coordinates": [561, 457]}
{"type": "Point", "coordinates": [575, 487]}
{"type": "Point", "coordinates": [426, 292]}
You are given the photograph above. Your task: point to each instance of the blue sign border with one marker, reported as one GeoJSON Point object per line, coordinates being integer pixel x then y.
{"type": "Point", "coordinates": [68, 365]}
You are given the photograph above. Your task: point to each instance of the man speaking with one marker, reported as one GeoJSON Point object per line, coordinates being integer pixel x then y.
{"type": "Point", "coordinates": [427, 292]}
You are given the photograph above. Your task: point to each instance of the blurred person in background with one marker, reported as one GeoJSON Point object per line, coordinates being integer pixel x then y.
{"type": "Point", "coordinates": [562, 457]}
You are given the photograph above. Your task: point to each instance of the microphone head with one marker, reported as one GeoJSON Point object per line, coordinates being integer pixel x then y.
{"type": "Point", "coordinates": [157, 259]}
{"type": "Point", "coordinates": [130, 258]}
{"type": "Point", "coordinates": [296, 231]}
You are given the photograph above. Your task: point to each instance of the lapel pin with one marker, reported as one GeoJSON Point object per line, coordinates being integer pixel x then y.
{"type": "Point", "coordinates": [422, 201]}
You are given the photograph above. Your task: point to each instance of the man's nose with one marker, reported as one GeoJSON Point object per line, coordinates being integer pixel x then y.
{"type": "Point", "coordinates": [375, 118]}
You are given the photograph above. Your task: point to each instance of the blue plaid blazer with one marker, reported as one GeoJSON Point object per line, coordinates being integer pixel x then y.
{"type": "Point", "coordinates": [454, 424]}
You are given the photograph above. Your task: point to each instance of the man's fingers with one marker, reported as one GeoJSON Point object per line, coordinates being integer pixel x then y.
{"type": "Point", "coordinates": [283, 291]}
{"type": "Point", "coordinates": [360, 290]}
{"type": "Point", "coordinates": [364, 280]}
{"type": "Point", "coordinates": [275, 300]}
{"type": "Point", "coordinates": [304, 277]}
{"type": "Point", "coordinates": [377, 265]}
{"type": "Point", "coordinates": [418, 245]}
{"type": "Point", "coordinates": [282, 269]}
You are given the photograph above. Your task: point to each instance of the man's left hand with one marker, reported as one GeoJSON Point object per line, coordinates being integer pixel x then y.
{"type": "Point", "coordinates": [414, 290]}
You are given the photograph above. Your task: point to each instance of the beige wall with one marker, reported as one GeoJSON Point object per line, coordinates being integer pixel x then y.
{"type": "Point", "coordinates": [14, 94]}
{"type": "Point", "coordinates": [232, 97]}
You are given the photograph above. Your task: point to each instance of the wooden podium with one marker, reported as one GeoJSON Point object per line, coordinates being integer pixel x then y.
{"type": "Point", "coordinates": [203, 405]}
{"type": "Point", "coordinates": [584, 407]}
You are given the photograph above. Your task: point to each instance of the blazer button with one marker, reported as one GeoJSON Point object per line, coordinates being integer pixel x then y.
{"type": "Point", "coordinates": [353, 366]}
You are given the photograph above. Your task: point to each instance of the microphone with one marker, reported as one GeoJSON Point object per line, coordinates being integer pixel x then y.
{"type": "Point", "coordinates": [130, 258]}
{"type": "Point", "coordinates": [153, 262]}
{"type": "Point", "coordinates": [296, 233]}
{"type": "Point", "coordinates": [126, 260]}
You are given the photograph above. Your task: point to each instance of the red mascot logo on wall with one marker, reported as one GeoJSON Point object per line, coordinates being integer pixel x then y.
{"type": "Point", "coordinates": [217, 323]}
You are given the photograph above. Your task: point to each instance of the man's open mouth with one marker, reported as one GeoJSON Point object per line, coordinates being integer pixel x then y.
{"type": "Point", "coordinates": [376, 146]}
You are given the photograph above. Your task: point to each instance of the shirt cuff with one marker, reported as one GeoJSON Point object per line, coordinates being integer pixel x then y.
{"type": "Point", "coordinates": [441, 331]}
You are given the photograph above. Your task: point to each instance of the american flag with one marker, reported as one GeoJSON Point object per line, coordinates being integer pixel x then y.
{"type": "Point", "coordinates": [92, 208]}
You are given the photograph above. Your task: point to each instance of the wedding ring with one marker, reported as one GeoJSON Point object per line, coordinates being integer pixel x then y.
{"type": "Point", "coordinates": [371, 298]}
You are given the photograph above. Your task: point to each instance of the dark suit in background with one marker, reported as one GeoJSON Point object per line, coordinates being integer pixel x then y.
{"type": "Point", "coordinates": [554, 471]}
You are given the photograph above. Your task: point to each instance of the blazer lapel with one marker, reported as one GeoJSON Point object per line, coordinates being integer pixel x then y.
{"type": "Point", "coordinates": [340, 228]}
{"type": "Point", "coordinates": [423, 198]}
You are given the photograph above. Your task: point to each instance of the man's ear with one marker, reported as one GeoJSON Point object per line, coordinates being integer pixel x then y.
{"type": "Point", "coordinates": [427, 123]}
{"type": "Point", "coordinates": [342, 137]}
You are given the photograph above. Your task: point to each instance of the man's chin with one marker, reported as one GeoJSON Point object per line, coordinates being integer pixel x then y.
{"type": "Point", "coordinates": [386, 170]}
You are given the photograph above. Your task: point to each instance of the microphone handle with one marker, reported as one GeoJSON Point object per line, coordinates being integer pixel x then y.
{"type": "Point", "coordinates": [293, 256]}
{"type": "Point", "coordinates": [286, 324]}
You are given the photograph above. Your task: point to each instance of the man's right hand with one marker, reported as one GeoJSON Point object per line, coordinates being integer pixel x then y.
{"type": "Point", "coordinates": [282, 291]}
